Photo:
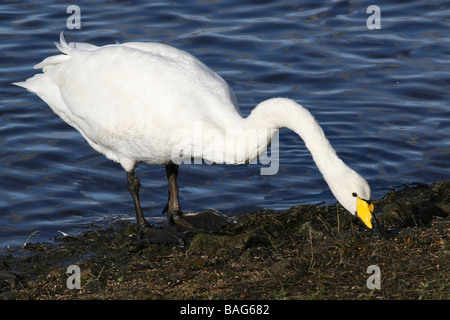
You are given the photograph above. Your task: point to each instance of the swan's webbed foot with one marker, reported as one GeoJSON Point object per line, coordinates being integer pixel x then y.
{"type": "Point", "coordinates": [206, 220]}
{"type": "Point", "coordinates": [152, 234]}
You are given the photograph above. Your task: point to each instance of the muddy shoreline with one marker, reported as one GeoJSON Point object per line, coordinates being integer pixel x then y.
{"type": "Point", "coordinates": [305, 252]}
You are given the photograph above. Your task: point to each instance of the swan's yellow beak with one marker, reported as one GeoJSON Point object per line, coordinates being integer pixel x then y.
{"type": "Point", "coordinates": [364, 210]}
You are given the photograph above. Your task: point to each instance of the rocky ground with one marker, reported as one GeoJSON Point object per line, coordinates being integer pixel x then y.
{"type": "Point", "coordinates": [306, 252]}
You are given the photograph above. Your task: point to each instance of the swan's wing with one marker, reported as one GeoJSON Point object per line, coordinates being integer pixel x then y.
{"type": "Point", "coordinates": [131, 96]}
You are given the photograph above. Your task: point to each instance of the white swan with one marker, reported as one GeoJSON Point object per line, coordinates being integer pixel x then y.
{"type": "Point", "coordinates": [136, 102]}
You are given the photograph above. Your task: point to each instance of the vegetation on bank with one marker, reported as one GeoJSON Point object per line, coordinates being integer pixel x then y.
{"type": "Point", "coordinates": [306, 252]}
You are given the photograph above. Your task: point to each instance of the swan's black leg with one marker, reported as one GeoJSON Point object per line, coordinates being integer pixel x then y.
{"type": "Point", "coordinates": [205, 220]}
{"type": "Point", "coordinates": [173, 203]}
{"type": "Point", "coordinates": [144, 230]}
{"type": "Point", "coordinates": [133, 186]}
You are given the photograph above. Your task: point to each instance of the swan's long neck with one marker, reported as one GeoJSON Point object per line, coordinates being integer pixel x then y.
{"type": "Point", "coordinates": [279, 113]}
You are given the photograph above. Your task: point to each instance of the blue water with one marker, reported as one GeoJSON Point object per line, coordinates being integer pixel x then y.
{"type": "Point", "coordinates": [382, 97]}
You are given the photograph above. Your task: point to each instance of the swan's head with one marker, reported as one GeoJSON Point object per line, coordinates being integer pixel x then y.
{"type": "Point", "coordinates": [353, 192]}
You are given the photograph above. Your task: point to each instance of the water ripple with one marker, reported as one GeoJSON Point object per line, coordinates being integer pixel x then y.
{"type": "Point", "coordinates": [380, 95]}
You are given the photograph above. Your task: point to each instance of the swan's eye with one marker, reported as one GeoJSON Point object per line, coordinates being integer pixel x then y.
{"type": "Point", "coordinates": [354, 194]}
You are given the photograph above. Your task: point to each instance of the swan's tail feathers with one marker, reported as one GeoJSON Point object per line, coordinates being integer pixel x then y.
{"type": "Point", "coordinates": [63, 46]}
{"type": "Point", "coordinates": [50, 61]}
{"type": "Point", "coordinates": [30, 84]}
{"type": "Point", "coordinates": [73, 48]}
{"type": "Point", "coordinates": [70, 50]}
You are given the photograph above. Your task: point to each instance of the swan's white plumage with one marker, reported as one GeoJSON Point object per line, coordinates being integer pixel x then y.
{"type": "Point", "coordinates": [137, 101]}
{"type": "Point", "coordinates": [126, 99]}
